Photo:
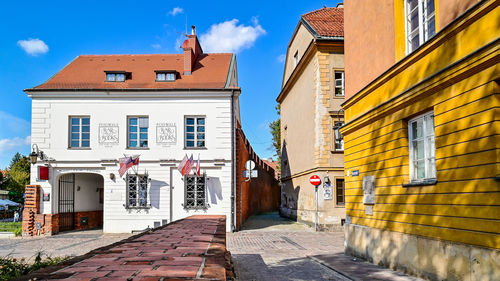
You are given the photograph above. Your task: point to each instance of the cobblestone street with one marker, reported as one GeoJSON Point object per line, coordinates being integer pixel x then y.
{"type": "Point", "coordinates": [272, 248]}
{"type": "Point", "coordinates": [72, 243]}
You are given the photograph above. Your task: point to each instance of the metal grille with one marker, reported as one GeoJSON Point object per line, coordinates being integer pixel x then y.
{"type": "Point", "coordinates": [66, 206]}
{"type": "Point", "coordinates": [137, 190]}
{"type": "Point", "coordinates": [195, 197]}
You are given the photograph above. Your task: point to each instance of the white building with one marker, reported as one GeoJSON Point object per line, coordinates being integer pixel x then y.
{"type": "Point", "coordinates": [161, 107]}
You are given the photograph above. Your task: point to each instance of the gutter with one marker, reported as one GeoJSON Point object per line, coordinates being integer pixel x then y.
{"type": "Point", "coordinates": [127, 90]}
{"type": "Point", "coordinates": [233, 163]}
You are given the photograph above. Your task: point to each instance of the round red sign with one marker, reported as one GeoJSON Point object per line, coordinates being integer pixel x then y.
{"type": "Point", "coordinates": [315, 180]}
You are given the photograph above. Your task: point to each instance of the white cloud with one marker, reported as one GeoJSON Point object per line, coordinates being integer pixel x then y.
{"type": "Point", "coordinates": [176, 10]}
{"type": "Point", "coordinates": [230, 37]}
{"type": "Point", "coordinates": [33, 47]}
{"type": "Point", "coordinates": [156, 46]}
{"type": "Point", "coordinates": [13, 143]}
{"type": "Point", "coordinates": [281, 58]}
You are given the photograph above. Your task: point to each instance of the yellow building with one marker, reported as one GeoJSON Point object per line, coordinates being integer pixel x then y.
{"type": "Point", "coordinates": [422, 143]}
{"type": "Point", "coordinates": [310, 99]}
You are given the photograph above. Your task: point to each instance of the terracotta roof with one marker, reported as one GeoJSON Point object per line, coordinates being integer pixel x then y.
{"type": "Point", "coordinates": [326, 21]}
{"type": "Point", "coordinates": [88, 72]}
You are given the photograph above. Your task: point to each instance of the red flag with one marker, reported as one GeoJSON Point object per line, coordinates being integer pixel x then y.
{"type": "Point", "coordinates": [181, 166]}
{"type": "Point", "coordinates": [189, 165]}
{"type": "Point", "coordinates": [127, 162]}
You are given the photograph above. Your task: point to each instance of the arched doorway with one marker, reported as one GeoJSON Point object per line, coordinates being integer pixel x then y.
{"type": "Point", "coordinates": [80, 201]}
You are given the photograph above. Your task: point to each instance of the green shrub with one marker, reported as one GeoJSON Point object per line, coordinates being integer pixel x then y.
{"type": "Point", "coordinates": [11, 268]}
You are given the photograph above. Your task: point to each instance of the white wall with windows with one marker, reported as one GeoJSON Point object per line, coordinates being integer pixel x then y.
{"type": "Point", "coordinates": [153, 126]}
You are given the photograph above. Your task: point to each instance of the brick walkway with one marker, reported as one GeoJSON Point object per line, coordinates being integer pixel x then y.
{"type": "Point", "coordinates": [192, 248]}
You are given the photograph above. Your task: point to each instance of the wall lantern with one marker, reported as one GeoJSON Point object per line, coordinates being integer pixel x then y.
{"type": "Point", "coordinates": [35, 154]}
{"type": "Point", "coordinates": [338, 125]}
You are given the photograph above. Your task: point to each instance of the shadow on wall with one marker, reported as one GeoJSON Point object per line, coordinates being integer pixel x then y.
{"type": "Point", "coordinates": [289, 192]}
{"type": "Point", "coordinates": [154, 192]}
{"type": "Point", "coordinates": [214, 187]}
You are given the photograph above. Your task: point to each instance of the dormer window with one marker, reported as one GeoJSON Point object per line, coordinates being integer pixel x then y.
{"type": "Point", "coordinates": [165, 76]}
{"type": "Point", "coordinates": [115, 76]}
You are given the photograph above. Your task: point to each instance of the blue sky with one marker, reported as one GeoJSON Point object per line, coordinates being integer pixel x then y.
{"type": "Point", "coordinates": [38, 38]}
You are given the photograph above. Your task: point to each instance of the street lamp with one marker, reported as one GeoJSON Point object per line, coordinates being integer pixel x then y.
{"type": "Point", "coordinates": [35, 154]}
{"type": "Point", "coordinates": [338, 125]}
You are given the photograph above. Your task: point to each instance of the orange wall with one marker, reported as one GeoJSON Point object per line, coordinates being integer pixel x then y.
{"type": "Point", "coordinates": [370, 36]}
{"type": "Point", "coordinates": [369, 41]}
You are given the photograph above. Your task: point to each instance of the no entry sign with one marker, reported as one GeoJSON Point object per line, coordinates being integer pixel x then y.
{"type": "Point", "coordinates": [315, 180]}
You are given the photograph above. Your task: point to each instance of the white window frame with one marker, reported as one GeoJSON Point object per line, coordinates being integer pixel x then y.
{"type": "Point", "coordinates": [429, 154]}
{"type": "Point", "coordinates": [116, 77]}
{"type": "Point", "coordinates": [195, 125]}
{"type": "Point", "coordinates": [423, 23]}
{"type": "Point", "coordinates": [138, 139]}
{"type": "Point", "coordinates": [165, 76]}
{"type": "Point", "coordinates": [335, 140]}
{"type": "Point", "coordinates": [80, 132]}
{"type": "Point", "coordinates": [342, 83]}
{"type": "Point", "coordinates": [141, 200]}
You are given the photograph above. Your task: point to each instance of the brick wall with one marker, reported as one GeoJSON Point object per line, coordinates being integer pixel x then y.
{"type": "Point", "coordinates": [261, 194]}
{"type": "Point", "coordinates": [94, 219]}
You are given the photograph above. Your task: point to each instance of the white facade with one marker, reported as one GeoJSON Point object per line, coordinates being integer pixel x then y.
{"type": "Point", "coordinates": [108, 112]}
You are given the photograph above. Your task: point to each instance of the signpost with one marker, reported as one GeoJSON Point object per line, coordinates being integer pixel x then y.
{"type": "Point", "coordinates": [316, 181]}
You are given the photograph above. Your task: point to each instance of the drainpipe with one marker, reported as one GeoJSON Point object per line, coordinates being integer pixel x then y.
{"type": "Point", "coordinates": [233, 164]}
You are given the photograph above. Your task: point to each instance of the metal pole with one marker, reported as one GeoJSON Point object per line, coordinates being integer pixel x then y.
{"type": "Point", "coordinates": [316, 208]}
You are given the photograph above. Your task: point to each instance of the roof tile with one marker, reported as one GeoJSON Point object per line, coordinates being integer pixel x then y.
{"type": "Point", "coordinates": [327, 21]}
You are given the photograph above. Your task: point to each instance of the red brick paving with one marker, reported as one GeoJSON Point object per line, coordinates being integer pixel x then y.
{"type": "Point", "coordinates": [190, 249]}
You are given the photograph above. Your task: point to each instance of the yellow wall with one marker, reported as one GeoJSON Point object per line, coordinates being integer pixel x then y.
{"type": "Point", "coordinates": [455, 75]}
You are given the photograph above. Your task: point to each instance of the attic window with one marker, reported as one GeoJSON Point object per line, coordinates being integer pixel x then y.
{"type": "Point", "coordinates": [115, 76]}
{"type": "Point", "coordinates": [165, 76]}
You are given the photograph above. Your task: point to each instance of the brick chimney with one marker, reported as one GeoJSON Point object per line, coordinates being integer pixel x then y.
{"type": "Point", "coordinates": [192, 50]}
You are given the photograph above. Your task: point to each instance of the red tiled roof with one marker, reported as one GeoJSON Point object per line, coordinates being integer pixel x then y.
{"type": "Point", "coordinates": [326, 21]}
{"type": "Point", "coordinates": [88, 72]}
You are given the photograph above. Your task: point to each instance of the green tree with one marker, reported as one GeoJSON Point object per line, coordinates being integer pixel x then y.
{"type": "Point", "coordinates": [18, 174]}
{"type": "Point", "coordinates": [275, 128]}
{"type": "Point", "coordinates": [17, 157]}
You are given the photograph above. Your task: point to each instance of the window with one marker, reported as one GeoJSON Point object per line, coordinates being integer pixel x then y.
{"type": "Point", "coordinates": [339, 83]}
{"type": "Point", "coordinates": [79, 132]}
{"type": "Point", "coordinates": [420, 23]}
{"type": "Point", "coordinates": [339, 187]}
{"type": "Point", "coordinates": [137, 190]}
{"type": "Point", "coordinates": [296, 59]}
{"type": "Point", "coordinates": [165, 76]}
{"type": "Point", "coordinates": [422, 148]}
{"type": "Point", "coordinates": [337, 136]}
{"type": "Point", "coordinates": [115, 77]}
{"type": "Point", "coordinates": [195, 132]}
{"type": "Point", "coordinates": [195, 197]}
{"type": "Point", "coordinates": [138, 132]}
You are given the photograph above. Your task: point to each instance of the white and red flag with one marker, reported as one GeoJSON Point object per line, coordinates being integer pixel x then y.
{"type": "Point", "coordinates": [198, 166]}
{"type": "Point", "coordinates": [127, 162]}
{"type": "Point", "coordinates": [185, 165]}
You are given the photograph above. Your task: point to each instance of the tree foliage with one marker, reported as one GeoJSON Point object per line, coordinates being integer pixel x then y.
{"type": "Point", "coordinates": [18, 174]}
{"type": "Point", "coordinates": [275, 128]}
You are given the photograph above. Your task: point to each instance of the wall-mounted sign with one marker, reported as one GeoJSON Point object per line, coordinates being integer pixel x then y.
{"type": "Point", "coordinates": [43, 173]}
{"type": "Point", "coordinates": [166, 133]}
{"type": "Point", "coordinates": [369, 190]}
{"type": "Point", "coordinates": [108, 134]}
{"type": "Point", "coordinates": [46, 197]}
{"type": "Point", "coordinates": [355, 173]}
{"type": "Point", "coordinates": [327, 193]}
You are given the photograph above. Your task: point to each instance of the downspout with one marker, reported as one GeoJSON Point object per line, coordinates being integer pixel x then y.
{"type": "Point", "coordinates": [233, 164]}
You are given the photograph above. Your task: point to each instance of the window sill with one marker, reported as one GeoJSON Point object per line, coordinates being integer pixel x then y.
{"type": "Point", "coordinates": [337, 151]}
{"type": "Point", "coordinates": [195, 148]}
{"type": "Point", "coordinates": [137, 148]}
{"type": "Point", "coordinates": [79, 148]}
{"type": "Point", "coordinates": [338, 97]}
{"type": "Point", "coordinates": [421, 183]}
{"type": "Point", "coordinates": [164, 80]}
{"type": "Point", "coordinates": [137, 208]}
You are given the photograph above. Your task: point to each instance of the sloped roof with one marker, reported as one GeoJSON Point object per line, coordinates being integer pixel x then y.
{"type": "Point", "coordinates": [88, 72]}
{"type": "Point", "coordinates": [328, 22]}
